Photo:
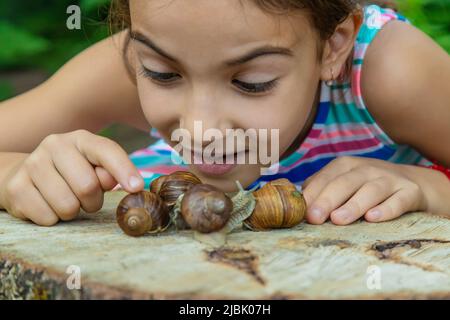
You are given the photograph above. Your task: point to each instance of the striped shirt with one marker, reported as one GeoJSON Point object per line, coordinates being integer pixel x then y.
{"type": "Point", "coordinates": [342, 126]}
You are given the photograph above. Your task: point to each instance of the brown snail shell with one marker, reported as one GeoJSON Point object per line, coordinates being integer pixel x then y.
{"type": "Point", "coordinates": [142, 212]}
{"type": "Point", "coordinates": [278, 205]}
{"type": "Point", "coordinates": [156, 184]}
{"type": "Point", "coordinates": [176, 184]}
{"type": "Point", "coordinates": [205, 208]}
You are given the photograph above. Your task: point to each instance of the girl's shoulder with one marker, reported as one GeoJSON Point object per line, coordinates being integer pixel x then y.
{"type": "Point", "coordinates": [403, 76]}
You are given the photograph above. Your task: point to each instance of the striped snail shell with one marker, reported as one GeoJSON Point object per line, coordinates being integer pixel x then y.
{"type": "Point", "coordinates": [278, 205]}
{"type": "Point", "coordinates": [175, 184]}
{"type": "Point", "coordinates": [156, 184]}
{"type": "Point", "coordinates": [142, 212]}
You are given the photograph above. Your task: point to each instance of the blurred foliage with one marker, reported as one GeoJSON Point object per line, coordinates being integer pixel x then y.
{"type": "Point", "coordinates": [36, 35]}
{"type": "Point", "coordinates": [431, 16]}
{"type": "Point", "coordinates": [6, 90]}
{"type": "Point", "coordinates": [33, 34]}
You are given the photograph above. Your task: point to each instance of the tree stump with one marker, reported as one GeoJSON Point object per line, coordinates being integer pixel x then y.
{"type": "Point", "coordinates": [91, 258]}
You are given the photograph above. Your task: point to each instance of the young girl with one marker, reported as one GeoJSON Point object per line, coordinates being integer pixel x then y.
{"type": "Point", "coordinates": [360, 98]}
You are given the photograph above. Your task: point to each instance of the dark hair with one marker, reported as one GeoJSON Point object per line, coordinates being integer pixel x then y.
{"type": "Point", "coordinates": [325, 15]}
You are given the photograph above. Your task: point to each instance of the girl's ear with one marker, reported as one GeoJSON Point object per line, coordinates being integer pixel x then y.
{"type": "Point", "coordinates": [338, 47]}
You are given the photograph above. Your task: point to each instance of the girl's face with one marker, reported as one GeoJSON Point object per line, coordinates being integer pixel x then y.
{"type": "Point", "coordinates": [228, 64]}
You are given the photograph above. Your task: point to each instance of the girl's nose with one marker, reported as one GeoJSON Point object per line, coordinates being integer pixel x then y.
{"type": "Point", "coordinates": [205, 129]}
{"type": "Point", "coordinates": [205, 115]}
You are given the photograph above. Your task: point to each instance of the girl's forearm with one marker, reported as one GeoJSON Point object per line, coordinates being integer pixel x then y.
{"type": "Point", "coordinates": [9, 161]}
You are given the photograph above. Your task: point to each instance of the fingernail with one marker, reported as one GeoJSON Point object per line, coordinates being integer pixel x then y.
{"type": "Point", "coordinates": [375, 214]}
{"type": "Point", "coordinates": [317, 212]}
{"type": "Point", "coordinates": [343, 214]}
{"type": "Point", "coordinates": [134, 182]}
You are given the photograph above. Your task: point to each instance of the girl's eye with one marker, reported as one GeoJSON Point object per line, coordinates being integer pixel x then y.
{"type": "Point", "coordinates": [165, 77]}
{"type": "Point", "coordinates": [255, 87]}
{"type": "Point", "coordinates": [168, 77]}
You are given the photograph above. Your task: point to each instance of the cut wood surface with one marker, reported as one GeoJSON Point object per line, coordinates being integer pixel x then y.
{"type": "Point", "coordinates": [405, 258]}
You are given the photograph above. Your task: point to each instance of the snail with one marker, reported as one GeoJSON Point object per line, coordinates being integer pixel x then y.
{"type": "Point", "coordinates": [205, 208]}
{"type": "Point", "coordinates": [156, 184]}
{"type": "Point", "coordinates": [170, 187]}
{"type": "Point", "coordinates": [142, 212]}
{"type": "Point", "coordinates": [278, 205]}
{"type": "Point", "coordinates": [182, 200]}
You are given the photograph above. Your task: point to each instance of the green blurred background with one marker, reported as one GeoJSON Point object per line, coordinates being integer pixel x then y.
{"type": "Point", "coordinates": [33, 34]}
{"type": "Point", "coordinates": [34, 40]}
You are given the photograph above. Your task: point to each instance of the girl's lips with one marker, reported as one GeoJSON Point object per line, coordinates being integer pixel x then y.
{"type": "Point", "coordinates": [216, 169]}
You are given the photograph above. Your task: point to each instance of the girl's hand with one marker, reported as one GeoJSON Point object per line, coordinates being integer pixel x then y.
{"type": "Point", "coordinates": [64, 173]}
{"type": "Point", "coordinates": [351, 187]}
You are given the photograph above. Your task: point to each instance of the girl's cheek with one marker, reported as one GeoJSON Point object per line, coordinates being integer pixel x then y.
{"type": "Point", "coordinates": [158, 107]}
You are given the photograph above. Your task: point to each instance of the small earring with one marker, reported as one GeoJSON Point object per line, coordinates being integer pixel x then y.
{"type": "Point", "coordinates": [330, 82]}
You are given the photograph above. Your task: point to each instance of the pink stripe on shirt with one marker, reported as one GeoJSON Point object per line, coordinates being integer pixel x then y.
{"type": "Point", "coordinates": [358, 145]}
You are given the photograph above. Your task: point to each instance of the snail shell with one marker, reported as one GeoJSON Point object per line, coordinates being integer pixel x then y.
{"type": "Point", "coordinates": [141, 212]}
{"type": "Point", "coordinates": [175, 184]}
{"type": "Point", "coordinates": [278, 205]}
{"type": "Point", "coordinates": [205, 208]}
{"type": "Point", "coordinates": [156, 184]}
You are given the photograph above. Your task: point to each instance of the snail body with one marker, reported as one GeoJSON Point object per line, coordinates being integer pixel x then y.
{"type": "Point", "coordinates": [142, 212]}
{"type": "Point", "coordinates": [170, 187]}
{"type": "Point", "coordinates": [278, 205]}
{"type": "Point", "coordinates": [205, 208]}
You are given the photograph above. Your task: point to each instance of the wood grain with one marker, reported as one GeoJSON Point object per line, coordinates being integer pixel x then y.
{"type": "Point", "coordinates": [412, 255]}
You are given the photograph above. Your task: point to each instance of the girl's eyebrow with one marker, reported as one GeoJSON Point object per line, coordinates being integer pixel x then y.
{"type": "Point", "coordinates": [255, 53]}
{"type": "Point", "coordinates": [149, 43]}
